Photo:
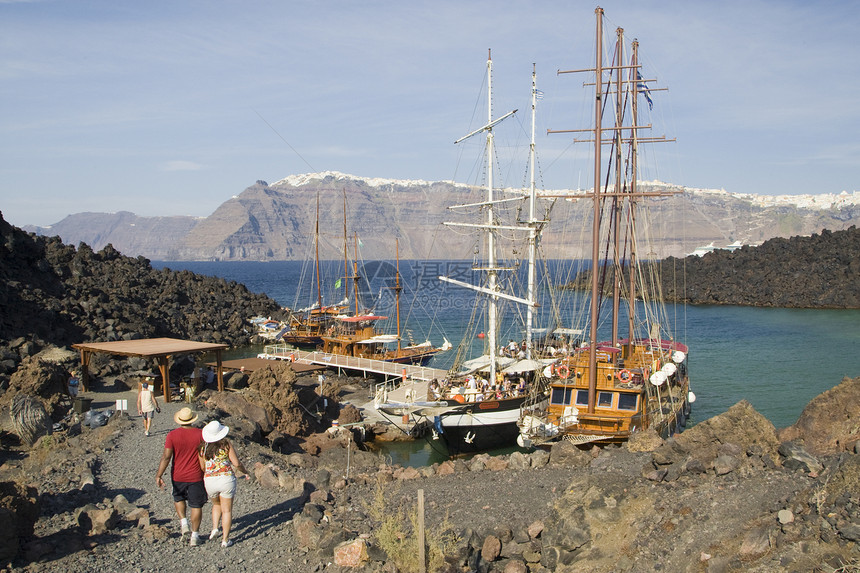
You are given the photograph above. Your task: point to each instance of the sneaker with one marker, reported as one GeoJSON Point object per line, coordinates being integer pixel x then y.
{"type": "Point", "coordinates": [195, 540]}
{"type": "Point", "coordinates": [215, 533]}
{"type": "Point", "coordinates": [186, 529]}
{"type": "Point", "coordinates": [147, 433]}
{"type": "Point", "coordinates": [227, 543]}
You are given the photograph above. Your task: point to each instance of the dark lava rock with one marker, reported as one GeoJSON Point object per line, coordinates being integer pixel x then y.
{"type": "Point", "coordinates": [55, 294]}
{"type": "Point", "coordinates": [819, 271]}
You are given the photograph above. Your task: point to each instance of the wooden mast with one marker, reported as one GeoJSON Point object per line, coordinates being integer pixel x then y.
{"type": "Point", "coordinates": [595, 231]}
{"type": "Point", "coordinates": [355, 277]}
{"type": "Point", "coordinates": [317, 254]}
{"type": "Point", "coordinates": [345, 256]}
{"type": "Point", "coordinates": [617, 203]}
{"type": "Point", "coordinates": [397, 289]}
{"type": "Point", "coordinates": [634, 167]}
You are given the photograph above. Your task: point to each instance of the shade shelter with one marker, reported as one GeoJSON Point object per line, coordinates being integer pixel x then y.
{"type": "Point", "coordinates": [159, 349]}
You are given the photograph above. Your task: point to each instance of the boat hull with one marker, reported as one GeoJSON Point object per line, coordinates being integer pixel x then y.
{"type": "Point", "coordinates": [480, 426]}
{"type": "Point", "coordinates": [303, 342]}
{"type": "Point", "coordinates": [416, 359]}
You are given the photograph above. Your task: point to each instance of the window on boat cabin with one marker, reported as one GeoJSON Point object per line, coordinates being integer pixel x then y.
{"type": "Point", "coordinates": [561, 396]}
{"type": "Point", "coordinates": [582, 397]}
{"type": "Point", "coordinates": [604, 399]}
{"type": "Point", "coordinates": [627, 401]}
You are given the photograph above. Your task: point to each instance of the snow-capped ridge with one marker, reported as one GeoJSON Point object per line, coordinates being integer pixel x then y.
{"type": "Point", "coordinates": [307, 178]}
{"type": "Point", "coordinates": [809, 201]}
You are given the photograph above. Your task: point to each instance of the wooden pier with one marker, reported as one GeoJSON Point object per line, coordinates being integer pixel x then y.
{"type": "Point", "coordinates": [389, 370]}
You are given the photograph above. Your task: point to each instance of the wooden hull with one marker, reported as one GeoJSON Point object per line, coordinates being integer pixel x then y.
{"type": "Point", "coordinates": [417, 358]}
{"type": "Point", "coordinates": [628, 397]}
{"type": "Point", "coordinates": [303, 342]}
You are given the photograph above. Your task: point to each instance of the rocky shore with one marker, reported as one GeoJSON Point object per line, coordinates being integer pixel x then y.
{"type": "Point", "coordinates": [77, 491]}
{"type": "Point", "coordinates": [730, 494]}
{"type": "Point", "coordinates": [53, 294]}
{"type": "Point", "coordinates": [818, 271]}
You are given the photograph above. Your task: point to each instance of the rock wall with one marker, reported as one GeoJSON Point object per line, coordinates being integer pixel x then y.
{"type": "Point", "coordinates": [819, 271]}
{"type": "Point", "coordinates": [53, 294]}
{"type": "Point", "coordinates": [277, 221]}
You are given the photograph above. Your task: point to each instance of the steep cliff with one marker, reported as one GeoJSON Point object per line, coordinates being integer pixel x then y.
{"type": "Point", "coordinates": [276, 222]}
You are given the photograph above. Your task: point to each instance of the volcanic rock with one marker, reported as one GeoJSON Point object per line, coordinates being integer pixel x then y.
{"type": "Point", "coordinates": [829, 423]}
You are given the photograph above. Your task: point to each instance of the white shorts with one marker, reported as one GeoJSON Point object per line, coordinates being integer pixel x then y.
{"type": "Point", "coordinates": [220, 486]}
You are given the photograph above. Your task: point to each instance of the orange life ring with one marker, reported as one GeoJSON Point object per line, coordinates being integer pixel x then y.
{"type": "Point", "coordinates": [624, 375]}
{"type": "Point", "coordinates": [459, 399]}
{"type": "Point", "coordinates": [563, 371]}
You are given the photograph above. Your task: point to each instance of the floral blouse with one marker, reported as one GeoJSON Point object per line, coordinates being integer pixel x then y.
{"type": "Point", "coordinates": [219, 464]}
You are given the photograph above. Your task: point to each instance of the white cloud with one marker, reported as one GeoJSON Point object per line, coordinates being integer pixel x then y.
{"type": "Point", "coordinates": [180, 165]}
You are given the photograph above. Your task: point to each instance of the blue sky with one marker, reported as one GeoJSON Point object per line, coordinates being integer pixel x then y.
{"type": "Point", "coordinates": [172, 107]}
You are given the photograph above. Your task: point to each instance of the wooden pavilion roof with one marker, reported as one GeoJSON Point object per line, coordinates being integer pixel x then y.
{"type": "Point", "coordinates": [149, 347]}
{"type": "Point", "coordinates": [157, 348]}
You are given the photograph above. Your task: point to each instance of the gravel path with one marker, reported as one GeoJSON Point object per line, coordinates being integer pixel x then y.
{"type": "Point", "coordinates": [263, 538]}
{"type": "Point", "coordinates": [263, 534]}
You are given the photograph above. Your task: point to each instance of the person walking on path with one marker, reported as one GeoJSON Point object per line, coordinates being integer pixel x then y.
{"type": "Point", "coordinates": [147, 405]}
{"type": "Point", "coordinates": [181, 447]}
{"type": "Point", "coordinates": [219, 462]}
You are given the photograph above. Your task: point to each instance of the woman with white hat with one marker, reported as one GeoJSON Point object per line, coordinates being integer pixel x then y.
{"type": "Point", "coordinates": [219, 463]}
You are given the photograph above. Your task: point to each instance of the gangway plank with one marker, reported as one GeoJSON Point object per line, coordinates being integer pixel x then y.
{"type": "Point", "coordinates": [389, 370]}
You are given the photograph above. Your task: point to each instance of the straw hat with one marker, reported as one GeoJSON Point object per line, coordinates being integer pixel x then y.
{"type": "Point", "coordinates": [185, 417]}
{"type": "Point", "coordinates": [214, 431]}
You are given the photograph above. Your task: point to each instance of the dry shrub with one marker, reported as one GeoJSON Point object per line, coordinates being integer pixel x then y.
{"type": "Point", "coordinates": [397, 532]}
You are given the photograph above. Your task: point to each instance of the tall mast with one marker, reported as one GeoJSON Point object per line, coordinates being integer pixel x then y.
{"type": "Point", "coordinates": [634, 160]}
{"type": "Point", "coordinates": [355, 277]}
{"type": "Point", "coordinates": [617, 204]}
{"type": "Point", "coordinates": [345, 257]}
{"type": "Point", "coordinates": [492, 279]}
{"type": "Point", "coordinates": [397, 289]}
{"type": "Point", "coordinates": [317, 254]}
{"type": "Point", "coordinates": [491, 290]}
{"type": "Point", "coordinates": [595, 233]}
{"type": "Point", "coordinates": [532, 226]}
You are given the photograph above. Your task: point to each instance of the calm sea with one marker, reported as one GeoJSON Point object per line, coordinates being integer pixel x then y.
{"type": "Point", "coordinates": [777, 359]}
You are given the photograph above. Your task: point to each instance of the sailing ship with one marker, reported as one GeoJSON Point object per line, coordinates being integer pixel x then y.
{"type": "Point", "coordinates": [356, 335]}
{"type": "Point", "coordinates": [607, 389]}
{"type": "Point", "coordinates": [478, 406]}
{"type": "Point", "coordinates": [305, 327]}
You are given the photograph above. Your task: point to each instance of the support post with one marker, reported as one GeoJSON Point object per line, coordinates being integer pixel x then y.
{"type": "Point", "coordinates": [422, 557]}
{"type": "Point", "coordinates": [220, 372]}
{"type": "Point", "coordinates": [165, 377]}
{"type": "Point", "coordinates": [85, 371]}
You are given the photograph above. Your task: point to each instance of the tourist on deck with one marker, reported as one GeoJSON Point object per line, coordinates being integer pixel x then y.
{"type": "Point", "coordinates": [434, 390]}
{"type": "Point", "coordinates": [521, 386]}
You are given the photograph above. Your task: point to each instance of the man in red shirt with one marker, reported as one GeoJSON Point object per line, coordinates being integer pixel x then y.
{"type": "Point", "coordinates": [181, 446]}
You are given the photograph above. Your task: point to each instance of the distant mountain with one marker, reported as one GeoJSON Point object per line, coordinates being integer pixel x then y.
{"type": "Point", "coordinates": [276, 222]}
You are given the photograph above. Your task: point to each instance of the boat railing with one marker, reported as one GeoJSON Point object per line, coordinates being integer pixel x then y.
{"type": "Point", "coordinates": [389, 369]}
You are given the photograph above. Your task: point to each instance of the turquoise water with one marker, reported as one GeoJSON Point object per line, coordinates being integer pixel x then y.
{"type": "Point", "coordinates": [777, 359]}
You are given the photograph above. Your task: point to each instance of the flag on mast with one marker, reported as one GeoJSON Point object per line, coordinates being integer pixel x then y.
{"type": "Point", "coordinates": [643, 89]}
